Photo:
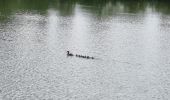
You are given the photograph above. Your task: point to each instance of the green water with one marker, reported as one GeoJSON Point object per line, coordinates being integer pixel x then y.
{"type": "Point", "coordinates": [97, 7]}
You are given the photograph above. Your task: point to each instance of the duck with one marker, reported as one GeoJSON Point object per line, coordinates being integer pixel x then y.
{"type": "Point", "coordinates": [69, 54]}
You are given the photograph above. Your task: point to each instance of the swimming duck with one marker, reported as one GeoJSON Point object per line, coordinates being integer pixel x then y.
{"type": "Point", "coordinates": [69, 54]}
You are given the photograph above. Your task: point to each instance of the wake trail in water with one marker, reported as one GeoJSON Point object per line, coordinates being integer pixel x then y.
{"type": "Point", "coordinates": [115, 60]}
{"type": "Point", "coordinates": [119, 61]}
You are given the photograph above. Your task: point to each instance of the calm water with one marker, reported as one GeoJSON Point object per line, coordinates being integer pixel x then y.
{"type": "Point", "coordinates": [130, 41]}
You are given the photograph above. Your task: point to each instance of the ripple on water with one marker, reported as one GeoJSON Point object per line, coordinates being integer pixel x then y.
{"type": "Point", "coordinates": [130, 63]}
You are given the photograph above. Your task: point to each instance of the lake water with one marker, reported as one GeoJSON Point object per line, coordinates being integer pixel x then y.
{"type": "Point", "coordinates": [130, 42]}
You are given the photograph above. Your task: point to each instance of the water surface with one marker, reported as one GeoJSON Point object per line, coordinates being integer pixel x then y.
{"type": "Point", "coordinates": [130, 41]}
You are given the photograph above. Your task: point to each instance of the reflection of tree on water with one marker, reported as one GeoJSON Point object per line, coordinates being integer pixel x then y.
{"type": "Point", "coordinates": [98, 7]}
{"type": "Point", "coordinates": [162, 7]}
{"type": "Point", "coordinates": [65, 7]}
{"type": "Point", "coordinates": [110, 7]}
{"type": "Point", "coordinates": [4, 11]}
{"type": "Point", "coordinates": [7, 7]}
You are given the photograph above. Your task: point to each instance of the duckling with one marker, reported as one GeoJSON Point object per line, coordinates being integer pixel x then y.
{"type": "Point", "coordinates": [69, 54]}
{"type": "Point", "coordinates": [80, 56]}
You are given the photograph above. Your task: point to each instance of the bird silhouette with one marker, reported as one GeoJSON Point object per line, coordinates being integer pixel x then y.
{"type": "Point", "coordinates": [69, 54]}
{"type": "Point", "coordinates": [80, 56]}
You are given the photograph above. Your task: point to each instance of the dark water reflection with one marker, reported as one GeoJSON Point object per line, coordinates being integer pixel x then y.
{"type": "Point", "coordinates": [130, 40]}
{"type": "Point", "coordinates": [98, 7]}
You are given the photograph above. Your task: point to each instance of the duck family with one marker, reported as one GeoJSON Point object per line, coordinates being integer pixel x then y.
{"type": "Point", "coordinates": [80, 56]}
